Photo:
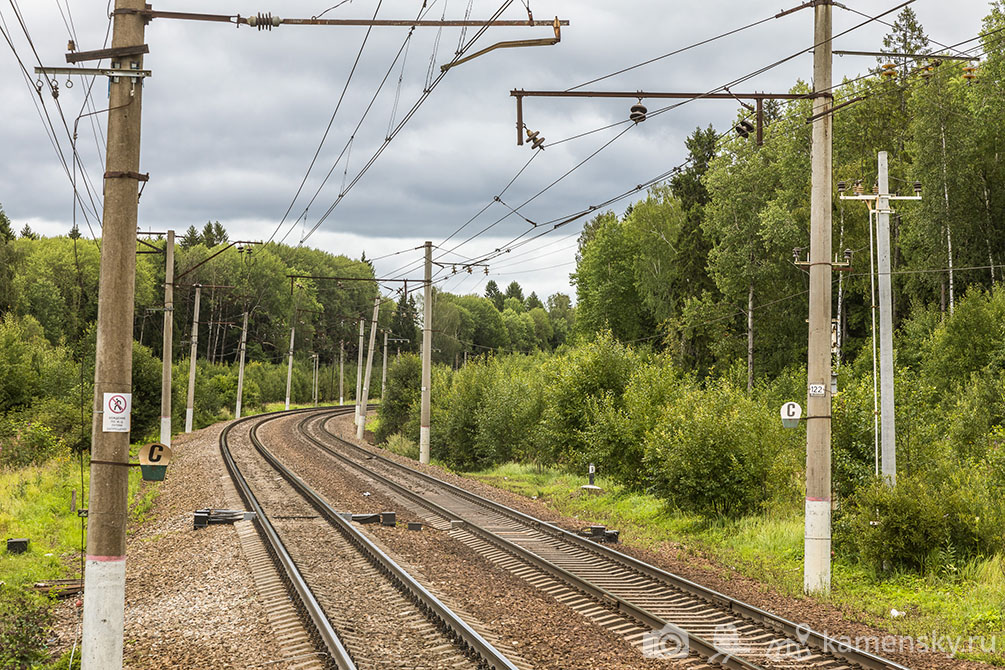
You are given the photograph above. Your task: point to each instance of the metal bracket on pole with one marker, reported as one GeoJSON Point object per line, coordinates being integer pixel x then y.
{"type": "Point", "coordinates": [557, 25]}
{"type": "Point", "coordinates": [93, 71]}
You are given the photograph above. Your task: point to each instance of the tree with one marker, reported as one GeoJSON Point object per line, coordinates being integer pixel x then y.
{"type": "Point", "coordinates": [605, 283]}
{"type": "Point", "coordinates": [6, 232]}
{"type": "Point", "coordinates": [906, 36]}
{"type": "Point", "coordinates": [403, 323]}
{"type": "Point", "coordinates": [489, 330]}
{"type": "Point", "coordinates": [220, 233]}
{"type": "Point", "coordinates": [513, 304]}
{"type": "Point", "coordinates": [214, 234]}
{"type": "Point", "coordinates": [28, 234]}
{"type": "Point", "coordinates": [514, 291]}
{"type": "Point", "coordinates": [563, 318]}
{"type": "Point", "coordinates": [191, 238]}
{"type": "Point", "coordinates": [533, 301]}
{"type": "Point", "coordinates": [493, 293]}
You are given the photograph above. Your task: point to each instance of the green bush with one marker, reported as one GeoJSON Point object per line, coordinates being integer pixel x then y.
{"type": "Point", "coordinates": [506, 424]}
{"type": "Point", "coordinates": [572, 381]}
{"type": "Point", "coordinates": [619, 424]}
{"type": "Point", "coordinates": [921, 525]}
{"type": "Point", "coordinates": [712, 452]}
{"type": "Point", "coordinates": [401, 445]}
{"type": "Point", "coordinates": [25, 620]}
{"type": "Point", "coordinates": [404, 376]}
{"type": "Point", "coordinates": [27, 442]}
{"type": "Point", "coordinates": [456, 434]}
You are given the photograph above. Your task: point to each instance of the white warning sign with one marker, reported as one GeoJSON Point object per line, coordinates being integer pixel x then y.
{"type": "Point", "coordinates": [117, 407]}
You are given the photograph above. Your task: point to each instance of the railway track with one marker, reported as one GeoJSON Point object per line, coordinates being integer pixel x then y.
{"type": "Point", "coordinates": [361, 609]}
{"type": "Point", "coordinates": [625, 595]}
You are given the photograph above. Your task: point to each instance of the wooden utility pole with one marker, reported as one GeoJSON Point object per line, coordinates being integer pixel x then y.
{"type": "Point", "coordinates": [361, 427]}
{"type": "Point", "coordinates": [817, 561]}
{"type": "Point", "coordinates": [359, 374]}
{"type": "Point", "coordinates": [105, 567]}
{"type": "Point", "coordinates": [240, 369]}
{"type": "Point", "coordinates": [383, 370]}
{"type": "Point", "coordinates": [166, 349]}
{"type": "Point", "coordinates": [427, 354]}
{"type": "Point", "coordinates": [193, 352]}
{"type": "Point", "coordinates": [341, 372]}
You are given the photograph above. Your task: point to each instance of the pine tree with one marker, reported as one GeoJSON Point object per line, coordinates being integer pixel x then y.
{"type": "Point", "coordinates": [6, 232]}
{"type": "Point", "coordinates": [220, 233]}
{"type": "Point", "coordinates": [493, 293]}
{"type": "Point", "coordinates": [209, 235]}
{"type": "Point", "coordinates": [191, 238]}
{"type": "Point", "coordinates": [533, 301]}
{"type": "Point", "coordinates": [905, 37]}
{"type": "Point", "coordinates": [514, 291]}
{"type": "Point", "coordinates": [27, 233]}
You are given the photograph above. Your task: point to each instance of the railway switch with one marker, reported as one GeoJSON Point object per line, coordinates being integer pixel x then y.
{"type": "Point", "coordinates": [212, 517]}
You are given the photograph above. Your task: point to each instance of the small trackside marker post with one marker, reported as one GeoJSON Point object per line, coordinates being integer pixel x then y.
{"type": "Point", "coordinates": [591, 487]}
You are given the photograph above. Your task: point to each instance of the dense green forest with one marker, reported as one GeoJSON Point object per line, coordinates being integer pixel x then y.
{"type": "Point", "coordinates": [690, 261]}
{"type": "Point", "coordinates": [48, 306]}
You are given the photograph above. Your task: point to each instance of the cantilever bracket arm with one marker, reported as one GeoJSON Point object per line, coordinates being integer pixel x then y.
{"type": "Point", "coordinates": [547, 42]}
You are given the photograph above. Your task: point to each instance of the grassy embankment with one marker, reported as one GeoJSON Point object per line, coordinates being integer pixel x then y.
{"type": "Point", "coordinates": [960, 601]}
{"type": "Point", "coordinates": [35, 504]}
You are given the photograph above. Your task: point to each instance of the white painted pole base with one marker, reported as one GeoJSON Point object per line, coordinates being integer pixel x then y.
{"type": "Point", "coordinates": [237, 410]}
{"type": "Point", "coordinates": [361, 427]}
{"type": "Point", "coordinates": [104, 612]}
{"type": "Point", "coordinates": [817, 557]}
{"type": "Point", "coordinates": [424, 444]}
{"type": "Point", "coordinates": [189, 413]}
{"type": "Point", "coordinates": [166, 430]}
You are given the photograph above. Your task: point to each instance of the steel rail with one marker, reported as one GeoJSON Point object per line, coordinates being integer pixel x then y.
{"type": "Point", "coordinates": [322, 628]}
{"type": "Point", "coordinates": [814, 639]}
{"type": "Point", "coordinates": [605, 597]}
{"type": "Point", "coordinates": [467, 637]}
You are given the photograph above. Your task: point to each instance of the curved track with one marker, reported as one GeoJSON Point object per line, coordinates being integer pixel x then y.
{"type": "Point", "coordinates": [337, 594]}
{"type": "Point", "coordinates": [719, 629]}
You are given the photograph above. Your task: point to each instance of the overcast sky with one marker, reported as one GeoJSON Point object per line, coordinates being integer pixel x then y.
{"type": "Point", "coordinates": [232, 117]}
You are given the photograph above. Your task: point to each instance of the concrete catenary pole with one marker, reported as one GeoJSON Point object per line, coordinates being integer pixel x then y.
{"type": "Point", "coordinates": [105, 566]}
{"type": "Point", "coordinates": [341, 372]}
{"type": "Point", "coordinates": [240, 369]}
{"type": "Point", "coordinates": [817, 565]}
{"type": "Point", "coordinates": [289, 365]}
{"type": "Point", "coordinates": [887, 423]}
{"type": "Point", "coordinates": [166, 349]}
{"type": "Point", "coordinates": [359, 373]}
{"type": "Point", "coordinates": [427, 355]}
{"type": "Point", "coordinates": [383, 370]}
{"type": "Point", "coordinates": [369, 370]}
{"type": "Point", "coordinates": [316, 361]}
{"type": "Point", "coordinates": [193, 352]}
